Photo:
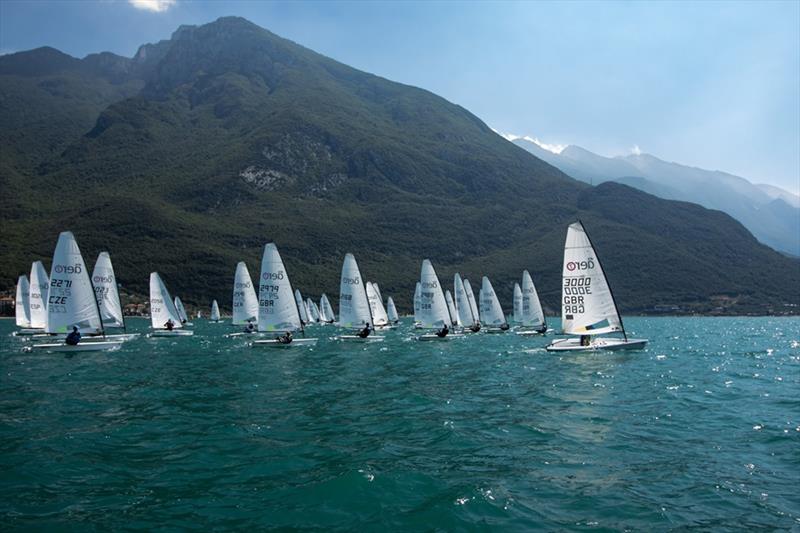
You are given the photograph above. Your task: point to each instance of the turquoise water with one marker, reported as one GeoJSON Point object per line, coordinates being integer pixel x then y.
{"type": "Point", "coordinates": [701, 429]}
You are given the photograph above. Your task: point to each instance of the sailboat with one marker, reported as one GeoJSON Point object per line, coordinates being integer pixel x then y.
{"type": "Point", "coordinates": [465, 307]}
{"type": "Point", "coordinates": [473, 306]}
{"type": "Point", "coordinates": [326, 311]}
{"type": "Point", "coordinates": [588, 307]}
{"type": "Point", "coordinates": [379, 316]}
{"type": "Point", "coordinates": [391, 311]}
{"type": "Point", "coordinates": [492, 314]}
{"type": "Point", "coordinates": [163, 310]}
{"type": "Point", "coordinates": [39, 290]}
{"type": "Point", "coordinates": [455, 322]}
{"type": "Point", "coordinates": [107, 294]}
{"type": "Point", "coordinates": [417, 296]}
{"type": "Point", "coordinates": [354, 309]}
{"type": "Point", "coordinates": [301, 307]}
{"type": "Point", "coordinates": [22, 306]}
{"type": "Point", "coordinates": [278, 306]}
{"type": "Point", "coordinates": [531, 318]}
{"type": "Point", "coordinates": [184, 317]}
{"type": "Point", "coordinates": [72, 302]}
{"type": "Point", "coordinates": [433, 313]}
{"type": "Point", "coordinates": [214, 316]}
{"type": "Point", "coordinates": [245, 301]}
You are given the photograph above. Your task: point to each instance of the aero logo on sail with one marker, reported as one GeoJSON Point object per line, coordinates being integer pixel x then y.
{"type": "Point", "coordinates": [581, 265]}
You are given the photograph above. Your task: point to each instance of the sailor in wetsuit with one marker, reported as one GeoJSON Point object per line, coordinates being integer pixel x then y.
{"type": "Point", "coordinates": [364, 333]}
{"type": "Point", "coordinates": [169, 324]}
{"type": "Point", "coordinates": [250, 327]}
{"type": "Point", "coordinates": [73, 338]}
{"type": "Point", "coordinates": [286, 338]}
{"type": "Point", "coordinates": [443, 332]}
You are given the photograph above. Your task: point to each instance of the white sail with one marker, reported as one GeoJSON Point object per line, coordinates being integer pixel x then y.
{"type": "Point", "coordinates": [417, 296]}
{"type": "Point", "coordinates": [22, 302]}
{"type": "Point", "coordinates": [71, 300]}
{"type": "Point", "coordinates": [353, 304]}
{"type": "Point", "coordinates": [245, 301]}
{"type": "Point", "coordinates": [378, 291]}
{"type": "Point", "coordinates": [277, 307]}
{"type": "Point", "coordinates": [39, 290]}
{"type": "Point", "coordinates": [517, 304]}
{"type": "Point", "coordinates": [105, 288]}
{"type": "Point", "coordinates": [391, 310]}
{"type": "Point", "coordinates": [379, 316]}
{"type": "Point", "coordinates": [326, 309]}
{"type": "Point", "coordinates": [491, 312]}
{"type": "Point", "coordinates": [587, 305]}
{"type": "Point", "coordinates": [473, 306]}
{"type": "Point", "coordinates": [214, 316]}
{"type": "Point", "coordinates": [433, 306]}
{"type": "Point", "coordinates": [463, 308]}
{"type": "Point", "coordinates": [181, 309]}
{"type": "Point", "coordinates": [162, 307]}
{"type": "Point", "coordinates": [313, 310]}
{"type": "Point", "coordinates": [532, 314]}
{"type": "Point", "coordinates": [302, 310]}
{"type": "Point", "coordinates": [451, 308]}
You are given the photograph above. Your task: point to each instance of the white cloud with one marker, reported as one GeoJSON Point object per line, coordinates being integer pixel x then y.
{"type": "Point", "coordinates": [156, 6]}
{"type": "Point", "coordinates": [555, 148]}
{"type": "Point", "coordinates": [635, 150]}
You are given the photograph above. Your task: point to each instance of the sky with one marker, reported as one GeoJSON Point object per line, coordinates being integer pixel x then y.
{"type": "Point", "coordinates": [708, 84]}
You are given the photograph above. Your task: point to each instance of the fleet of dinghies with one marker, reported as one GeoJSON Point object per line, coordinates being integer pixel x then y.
{"type": "Point", "coordinates": [277, 315]}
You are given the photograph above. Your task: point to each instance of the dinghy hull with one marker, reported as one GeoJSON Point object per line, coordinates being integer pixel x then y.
{"type": "Point", "coordinates": [97, 346]}
{"type": "Point", "coordinates": [172, 333]}
{"type": "Point", "coordinates": [272, 343]}
{"type": "Point", "coordinates": [356, 338]}
{"type": "Point", "coordinates": [432, 337]}
{"type": "Point", "coordinates": [603, 343]}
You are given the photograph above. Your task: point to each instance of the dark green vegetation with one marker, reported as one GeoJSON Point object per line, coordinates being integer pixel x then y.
{"type": "Point", "coordinates": [192, 155]}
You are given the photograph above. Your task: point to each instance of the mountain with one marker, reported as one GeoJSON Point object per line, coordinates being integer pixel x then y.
{"type": "Point", "coordinates": [777, 225]}
{"type": "Point", "coordinates": [207, 145]}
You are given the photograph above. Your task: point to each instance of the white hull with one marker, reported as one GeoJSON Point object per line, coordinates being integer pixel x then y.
{"type": "Point", "coordinates": [434, 337]}
{"type": "Point", "coordinates": [529, 332]}
{"type": "Point", "coordinates": [27, 332]}
{"type": "Point", "coordinates": [171, 333]}
{"type": "Point", "coordinates": [603, 343]}
{"type": "Point", "coordinates": [272, 343]}
{"type": "Point", "coordinates": [122, 337]}
{"type": "Point", "coordinates": [495, 330]}
{"type": "Point", "coordinates": [356, 338]}
{"type": "Point", "coordinates": [97, 346]}
{"type": "Point", "coordinates": [386, 326]}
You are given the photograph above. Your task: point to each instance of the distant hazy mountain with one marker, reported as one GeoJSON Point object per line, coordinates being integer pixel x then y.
{"type": "Point", "coordinates": [770, 213]}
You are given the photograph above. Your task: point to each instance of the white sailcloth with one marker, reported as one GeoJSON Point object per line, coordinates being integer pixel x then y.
{"type": "Point", "coordinates": [326, 309]}
{"type": "Point", "coordinates": [451, 308]}
{"type": "Point", "coordinates": [463, 308]}
{"type": "Point", "coordinates": [587, 305]}
{"type": "Point", "coordinates": [433, 306]}
{"type": "Point", "coordinates": [491, 312]}
{"type": "Point", "coordinates": [379, 316]}
{"type": "Point", "coordinates": [245, 301]}
{"type": "Point", "coordinates": [162, 307]}
{"type": "Point", "coordinates": [301, 306]}
{"type": "Point", "coordinates": [71, 301]}
{"type": "Point", "coordinates": [40, 289]}
{"type": "Point", "coordinates": [517, 304]}
{"type": "Point", "coordinates": [391, 310]}
{"type": "Point", "coordinates": [22, 302]}
{"type": "Point", "coordinates": [214, 311]}
{"type": "Point", "coordinates": [181, 309]}
{"type": "Point", "coordinates": [417, 296]}
{"type": "Point", "coordinates": [473, 306]}
{"type": "Point", "coordinates": [532, 313]}
{"type": "Point", "coordinates": [277, 307]}
{"type": "Point", "coordinates": [313, 310]}
{"type": "Point", "coordinates": [105, 288]}
{"type": "Point", "coordinates": [354, 308]}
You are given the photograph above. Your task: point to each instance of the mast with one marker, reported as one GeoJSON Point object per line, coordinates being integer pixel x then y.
{"type": "Point", "coordinates": [603, 270]}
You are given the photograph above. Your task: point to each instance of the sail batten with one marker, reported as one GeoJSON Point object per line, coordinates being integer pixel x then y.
{"type": "Point", "coordinates": [277, 306]}
{"type": "Point", "coordinates": [433, 305]}
{"type": "Point", "coordinates": [245, 301]}
{"type": "Point", "coordinates": [71, 300]}
{"type": "Point", "coordinates": [107, 293]}
{"type": "Point", "coordinates": [354, 310]}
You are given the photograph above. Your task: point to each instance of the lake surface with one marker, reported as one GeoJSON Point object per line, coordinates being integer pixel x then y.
{"type": "Point", "coordinates": [701, 429]}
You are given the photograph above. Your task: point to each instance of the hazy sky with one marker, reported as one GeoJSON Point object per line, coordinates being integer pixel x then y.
{"type": "Point", "coordinates": [715, 84]}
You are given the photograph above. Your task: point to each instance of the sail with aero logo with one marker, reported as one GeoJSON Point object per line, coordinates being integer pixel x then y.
{"type": "Point", "coordinates": [71, 300]}
{"type": "Point", "coordinates": [532, 314]}
{"type": "Point", "coordinates": [22, 302]}
{"type": "Point", "coordinates": [417, 292]}
{"type": "Point", "coordinates": [105, 288]}
{"type": "Point", "coordinates": [433, 313]}
{"type": "Point", "coordinates": [245, 301]}
{"type": "Point", "coordinates": [379, 316]}
{"type": "Point", "coordinates": [492, 314]}
{"type": "Point", "coordinates": [277, 307]}
{"type": "Point", "coordinates": [588, 308]}
{"type": "Point", "coordinates": [39, 289]}
{"type": "Point", "coordinates": [354, 311]}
